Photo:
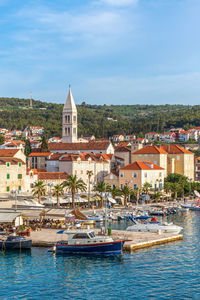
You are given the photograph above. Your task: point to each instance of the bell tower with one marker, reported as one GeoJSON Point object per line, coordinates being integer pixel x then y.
{"type": "Point", "coordinates": [69, 120]}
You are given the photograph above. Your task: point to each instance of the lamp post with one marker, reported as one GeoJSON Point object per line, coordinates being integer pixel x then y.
{"type": "Point", "coordinates": [106, 195]}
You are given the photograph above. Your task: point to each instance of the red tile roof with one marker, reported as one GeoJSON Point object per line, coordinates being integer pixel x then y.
{"type": "Point", "coordinates": [45, 154]}
{"type": "Point", "coordinates": [91, 145]}
{"type": "Point", "coordinates": [175, 149]}
{"type": "Point", "coordinates": [122, 149]}
{"type": "Point", "coordinates": [52, 175]}
{"type": "Point", "coordinates": [150, 150]}
{"type": "Point", "coordinates": [12, 161]}
{"type": "Point", "coordinates": [142, 165]}
{"type": "Point", "coordinates": [8, 152]}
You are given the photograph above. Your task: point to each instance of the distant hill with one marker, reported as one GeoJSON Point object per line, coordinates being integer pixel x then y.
{"type": "Point", "coordinates": [93, 119]}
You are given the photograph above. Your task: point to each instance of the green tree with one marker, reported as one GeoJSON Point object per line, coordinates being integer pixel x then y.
{"type": "Point", "coordinates": [157, 196]}
{"type": "Point", "coordinates": [126, 192]}
{"type": "Point", "coordinates": [146, 187]}
{"type": "Point", "coordinates": [74, 185]}
{"type": "Point", "coordinates": [58, 191]}
{"type": "Point", "coordinates": [102, 187]}
{"type": "Point", "coordinates": [39, 189]}
{"type": "Point", "coordinates": [136, 193]}
{"type": "Point", "coordinates": [44, 144]}
{"type": "Point", "coordinates": [167, 187]}
{"type": "Point", "coordinates": [2, 139]}
{"type": "Point", "coordinates": [28, 148]}
{"type": "Point", "coordinates": [175, 188]}
{"type": "Point", "coordinates": [115, 191]}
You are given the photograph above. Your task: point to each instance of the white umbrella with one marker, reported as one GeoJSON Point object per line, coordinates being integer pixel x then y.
{"type": "Point", "coordinates": [113, 201]}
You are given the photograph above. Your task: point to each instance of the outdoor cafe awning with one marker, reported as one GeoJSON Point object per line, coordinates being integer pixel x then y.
{"type": "Point", "coordinates": [8, 217]}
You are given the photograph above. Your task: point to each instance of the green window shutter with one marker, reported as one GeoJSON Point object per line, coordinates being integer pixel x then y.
{"type": "Point", "coordinates": [19, 188]}
{"type": "Point", "coordinates": [19, 176]}
{"type": "Point", "coordinates": [8, 164]}
{"type": "Point", "coordinates": [8, 189]}
{"type": "Point", "coordinates": [20, 164]}
{"type": "Point", "coordinates": [8, 176]}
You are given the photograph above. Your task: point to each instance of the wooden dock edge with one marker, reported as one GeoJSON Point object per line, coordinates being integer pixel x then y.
{"type": "Point", "coordinates": [132, 247]}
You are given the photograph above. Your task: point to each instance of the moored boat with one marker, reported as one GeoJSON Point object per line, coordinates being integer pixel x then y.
{"type": "Point", "coordinates": [15, 242]}
{"type": "Point", "coordinates": [154, 227]}
{"type": "Point", "coordinates": [86, 242]}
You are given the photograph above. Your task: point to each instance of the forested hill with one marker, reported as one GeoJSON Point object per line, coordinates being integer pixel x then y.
{"type": "Point", "coordinates": [102, 121]}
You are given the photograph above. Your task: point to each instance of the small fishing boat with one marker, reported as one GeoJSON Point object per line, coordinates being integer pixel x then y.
{"type": "Point", "coordinates": [86, 242]}
{"type": "Point", "coordinates": [194, 206]}
{"type": "Point", "coordinates": [14, 242]}
{"type": "Point", "coordinates": [154, 227]}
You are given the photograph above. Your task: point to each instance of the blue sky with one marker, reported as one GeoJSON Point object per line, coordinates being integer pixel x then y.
{"type": "Point", "coordinates": [110, 51]}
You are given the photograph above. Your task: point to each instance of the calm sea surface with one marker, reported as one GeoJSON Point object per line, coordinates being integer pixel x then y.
{"type": "Point", "coordinates": [170, 271]}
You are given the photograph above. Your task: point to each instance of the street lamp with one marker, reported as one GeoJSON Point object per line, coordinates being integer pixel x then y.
{"type": "Point", "coordinates": [50, 186]}
{"type": "Point", "coordinates": [106, 195]}
{"type": "Point", "coordinates": [15, 192]}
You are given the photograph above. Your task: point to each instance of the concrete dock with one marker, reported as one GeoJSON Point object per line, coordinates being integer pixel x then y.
{"type": "Point", "coordinates": [137, 240]}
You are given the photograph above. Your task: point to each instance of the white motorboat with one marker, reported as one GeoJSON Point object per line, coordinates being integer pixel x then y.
{"type": "Point", "coordinates": [154, 227]}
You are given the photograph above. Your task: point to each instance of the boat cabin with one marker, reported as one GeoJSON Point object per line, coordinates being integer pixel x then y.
{"type": "Point", "coordinates": [88, 236]}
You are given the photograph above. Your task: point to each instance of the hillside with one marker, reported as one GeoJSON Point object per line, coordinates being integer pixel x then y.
{"type": "Point", "coordinates": [92, 119]}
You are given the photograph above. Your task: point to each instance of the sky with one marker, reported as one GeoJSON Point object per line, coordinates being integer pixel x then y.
{"type": "Point", "coordinates": [109, 51]}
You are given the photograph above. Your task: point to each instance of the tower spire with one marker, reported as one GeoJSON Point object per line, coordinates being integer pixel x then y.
{"type": "Point", "coordinates": [69, 122]}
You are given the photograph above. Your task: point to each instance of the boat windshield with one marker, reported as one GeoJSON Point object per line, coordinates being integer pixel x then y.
{"type": "Point", "coordinates": [91, 234]}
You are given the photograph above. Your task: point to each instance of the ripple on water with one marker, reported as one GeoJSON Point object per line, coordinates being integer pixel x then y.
{"type": "Point", "coordinates": [170, 271]}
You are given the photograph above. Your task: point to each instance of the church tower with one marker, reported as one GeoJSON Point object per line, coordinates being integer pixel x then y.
{"type": "Point", "coordinates": [69, 121]}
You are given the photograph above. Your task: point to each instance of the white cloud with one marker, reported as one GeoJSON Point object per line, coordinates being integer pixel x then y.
{"type": "Point", "coordinates": [119, 2]}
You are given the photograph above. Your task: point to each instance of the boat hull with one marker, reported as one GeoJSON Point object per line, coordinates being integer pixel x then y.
{"type": "Point", "coordinates": [6, 245]}
{"type": "Point", "coordinates": [114, 247]}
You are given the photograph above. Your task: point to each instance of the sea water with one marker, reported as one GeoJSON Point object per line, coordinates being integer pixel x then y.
{"type": "Point", "coordinates": [170, 271]}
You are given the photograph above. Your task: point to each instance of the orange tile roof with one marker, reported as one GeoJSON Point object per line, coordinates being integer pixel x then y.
{"type": "Point", "coordinates": [91, 145]}
{"type": "Point", "coordinates": [150, 150]}
{"type": "Point", "coordinates": [8, 152]}
{"type": "Point", "coordinates": [52, 175]}
{"type": "Point", "coordinates": [175, 149]}
{"type": "Point", "coordinates": [122, 149]}
{"type": "Point", "coordinates": [142, 165]}
{"type": "Point", "coordinates": [45, 154]}
{"type": "Point", "coordinates": [12, 161]}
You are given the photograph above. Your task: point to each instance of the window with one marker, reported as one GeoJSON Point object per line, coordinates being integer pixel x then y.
{"type": "Point", "coordinates": [74, 118]}
{"type": "Point", "coordinates": [8, 176]}
{"type": "Point", "coordinates": [134, 174]}
{"type": "Point", "coordinates": [8, 164]}
{"type": "Point", "coordinates": [74, 130]}
{"type": "Point", "coordinates": [121, 174]}
{"type": "Point", "coordinates": [8, 189]}
{"type": "Point", "coordinates": [31, 185]}
{"type": "Point", "coordinates": [160, 174]}
{"type": "Point", "coordinates": [20, 164]}
{"type": "Point", "coordinates": [19, 188]}
{"type": "Point", "coordinates": [121, 186]}
{"type": "Point", "coordinates": [134, 186]}
{"type": "Point", "coordinates": [19, 176]}
{"type": "Point", "coordinates": [81, 171]}
{"type": "Point", "coordinates": [145, 174]}
{"type": "Point", "coordinates": [178, 157]}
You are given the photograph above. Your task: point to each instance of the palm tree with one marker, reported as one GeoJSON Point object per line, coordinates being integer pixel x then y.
{"type": "Point", "coordinates": [73, 184]}
{"type": "Point", "coordinates": [115, 191]}
{"type": "Point", "coordinates": [39, 189]}
{"type": "Point", "coordinates": [126, 192]}
{"type": "Point", "coordinates": [89, 174]}
{"type": "Point", "coordinates": [102, 187]}
{"type": "Point", "coordinates": [136, 193]}
{"type": "Point", "coordinates": [146, 187]}
{"type": "Point", "coordinates": [157, 196]}
{"type": "Point", "coordinates": [58, 191]}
